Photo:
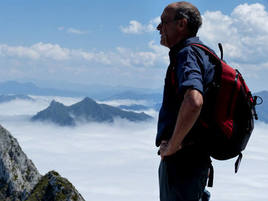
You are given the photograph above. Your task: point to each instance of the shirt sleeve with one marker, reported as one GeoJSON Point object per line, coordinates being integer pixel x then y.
{"type": "Point", "coordinates": [189, 71]}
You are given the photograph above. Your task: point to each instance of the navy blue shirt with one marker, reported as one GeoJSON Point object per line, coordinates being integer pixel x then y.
{"type": "Point", "coordinates": [190, 67]}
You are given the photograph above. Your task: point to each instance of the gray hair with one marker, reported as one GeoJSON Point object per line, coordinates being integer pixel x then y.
{"type": "Point", "coordinates": [191, 13]}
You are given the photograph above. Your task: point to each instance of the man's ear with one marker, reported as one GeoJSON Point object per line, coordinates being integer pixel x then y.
{"type": "Point", "coordinates": [182, 23]}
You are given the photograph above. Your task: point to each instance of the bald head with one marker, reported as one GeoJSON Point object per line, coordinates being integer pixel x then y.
{"type": "Point", "coordinates": [188, 11]}
{"type": "Point", "coordinates": [179, 21]}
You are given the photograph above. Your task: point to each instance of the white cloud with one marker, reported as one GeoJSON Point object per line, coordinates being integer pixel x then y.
{"type": "Point", "coordinates": [121, 56]}
{"type": "Point", "coordinates": [36, 51]}
{"type": "Point", "coordinates": [109, 161]}
{"type": "Point", "coordinates": [117, 103]}
{"type": "Point", "coordinates": [31, 107]}
{"type": "Point", "coordinates": [155, 22]}
{"type": "Point", "coordinates": [76, 31]}
{"type": "Point", "coordinates": [243, 33]}
{"type": "Point", "coordinates": [136, 27]}
{"type": "Point", "coordinates": [119, 66]}
{"type": "Point", "coordinates": [94, 157]}
{"type": "Point", "coordinates": [51, 51]}
{"type": "Point", "coordinates": [72, 30]}
{"type": "Point", "coordinates": [18, 51]}
{"type": "Point", "coordinates": [129, 58]}
{"type": "Point", "coordinates": [160, 51]}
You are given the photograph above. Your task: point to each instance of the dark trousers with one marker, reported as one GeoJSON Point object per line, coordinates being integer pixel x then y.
{"type": "Point", "coordinates": [182, 182]}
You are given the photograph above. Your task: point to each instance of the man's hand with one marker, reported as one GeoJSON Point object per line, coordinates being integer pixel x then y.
{"type": "Point", "coordinates": [166, 150]}
{"type": "Point", "coordinates": [187, 116]}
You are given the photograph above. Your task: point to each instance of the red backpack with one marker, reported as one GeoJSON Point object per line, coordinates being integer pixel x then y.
{"type": "Point", "coordinates": [228, 111]}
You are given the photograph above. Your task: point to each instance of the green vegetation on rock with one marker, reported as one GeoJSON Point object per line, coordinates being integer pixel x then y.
{"type": "Point", "coordinates": [54, 187]}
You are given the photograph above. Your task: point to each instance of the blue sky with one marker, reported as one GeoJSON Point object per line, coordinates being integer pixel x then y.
{"type": "Point", "coordinates": [53, 43]}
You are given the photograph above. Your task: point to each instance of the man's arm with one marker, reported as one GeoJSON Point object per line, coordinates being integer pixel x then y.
{"type": "Point", "coordinates": [187, 116]}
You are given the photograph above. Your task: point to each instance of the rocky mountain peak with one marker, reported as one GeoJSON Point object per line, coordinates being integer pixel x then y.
{"type": "Point", "coordinates": [21, 181]}
{"type": "Point", "coordinates": [87, 99]}
{"type": "Point", "coordinates": [85, 103]}
{"type": "Point", "coordinates": [86, 110]}
{"type": "Point", "coordinates": [18, 175]}
{"type": "Point", "coordinates": [54, 103]}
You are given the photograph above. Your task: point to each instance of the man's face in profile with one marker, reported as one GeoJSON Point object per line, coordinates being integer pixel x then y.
{"type": "Point", "coordinates": [168, 28]}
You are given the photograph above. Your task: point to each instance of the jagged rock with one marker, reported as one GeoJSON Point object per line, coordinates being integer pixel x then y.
{"type": "Point", "coordinates": [53, 187]}
{"type": "Point", "coordinates": [21, 181]}
{"type": "Point", "coordinates": [18, 175]}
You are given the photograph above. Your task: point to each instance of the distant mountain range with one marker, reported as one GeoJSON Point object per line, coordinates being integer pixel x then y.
{"type": "Point", "coordinates": [262, 109]}
{"type": "Point", "coordinates": [13, 87]}
{"type": "Point", "coordinates": [7, 98]}
{"type": "Point", "coordinates": [86, 110]}
{"type": "Point", "coordinates": [152, 97]}
{"type": "Point", "coordinates": [97, 92]}
{"type": "Point", "coordinates": [132, 95]}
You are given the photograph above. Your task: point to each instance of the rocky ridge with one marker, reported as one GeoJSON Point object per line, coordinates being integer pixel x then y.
{"type": "Point", "coordinates": [21, 181]}
{"type": "Point", "coordinates": [54, 187]}
{"type": "Point", "coordinates": [86, 110]}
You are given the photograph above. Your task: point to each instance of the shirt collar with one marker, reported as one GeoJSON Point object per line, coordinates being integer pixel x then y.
{"type": "Point", "coordinates": [176, 48]}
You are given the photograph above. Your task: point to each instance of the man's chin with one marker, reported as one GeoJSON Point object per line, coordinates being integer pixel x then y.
{"type": "Point", "coordinates": [163, 42]}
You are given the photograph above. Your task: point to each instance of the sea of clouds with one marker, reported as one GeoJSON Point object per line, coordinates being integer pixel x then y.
{"type": "Point", "coordinates": [118, 162]}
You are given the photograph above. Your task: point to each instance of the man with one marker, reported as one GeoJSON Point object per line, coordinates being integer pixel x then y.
{"type": "Point", "coordinates": [185, 162]}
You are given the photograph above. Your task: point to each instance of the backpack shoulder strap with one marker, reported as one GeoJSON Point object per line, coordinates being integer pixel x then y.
{"type": "Point", "coordinates": [215, 59]}
{"type": "Point", "coordinates": [206, 49]}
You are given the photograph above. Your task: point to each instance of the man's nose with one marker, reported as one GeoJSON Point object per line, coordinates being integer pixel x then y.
{"type": "Point", "coordinates": [158, 27]}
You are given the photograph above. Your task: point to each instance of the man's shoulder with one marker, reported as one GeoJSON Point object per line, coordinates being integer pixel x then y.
{"type": "Point", "coordinates": [192, 40]}
{"type": "Point", "coordinates": [190, 50]}
{"type": "Point", "coordinates": [187, 45]}
{"type": "Point", "coordinates": [187, 53]}
{"type": "Point", "coordinates": [186, 50]}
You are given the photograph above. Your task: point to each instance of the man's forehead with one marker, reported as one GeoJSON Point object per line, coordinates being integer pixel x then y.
{"type": "Point", "coordinates": [168, 13]}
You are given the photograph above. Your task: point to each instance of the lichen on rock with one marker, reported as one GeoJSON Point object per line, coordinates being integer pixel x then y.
{"type": "Point", "coordinates": [54, 187]}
